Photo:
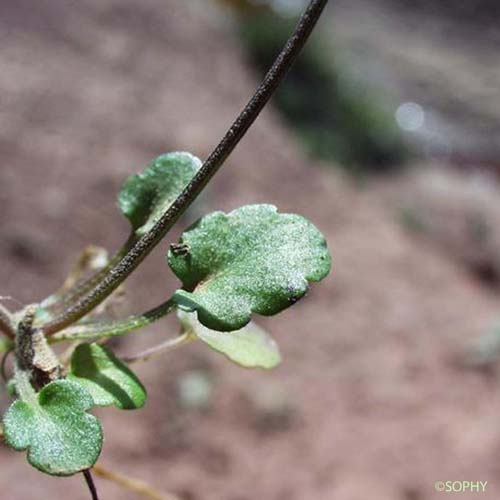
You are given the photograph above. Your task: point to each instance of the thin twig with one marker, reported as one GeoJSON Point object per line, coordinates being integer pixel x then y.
{"type": "Point", "coordinates": [236, 132]}
{"type": "Point", "coordinates": [90, 483]}
{"type": "Point", "coordinates": [168, 345]}
{"type": "Point", "coordinates": [90, 331]}
{"type": "Point", "coordinates": [134, 485]}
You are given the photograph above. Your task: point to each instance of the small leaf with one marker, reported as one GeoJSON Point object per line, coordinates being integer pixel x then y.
{"type": "Point", "coordinates": [106, 378]}
{"type": "Point", "coordinates": [250, 347]}
{"type": "Point", "coordinates": [146, 196]}
{"type": "Point", "coordinates": [250, 260]}
{"type": "Point", "coordinates": [61, 438]}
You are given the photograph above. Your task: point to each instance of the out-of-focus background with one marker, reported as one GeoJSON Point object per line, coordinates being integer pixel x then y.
{"type": "Point", "coordinates": [385, 136]}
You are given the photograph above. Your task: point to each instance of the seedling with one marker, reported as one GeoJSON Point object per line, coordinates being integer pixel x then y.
{"type": "Point", "coordinates": [253, 260]}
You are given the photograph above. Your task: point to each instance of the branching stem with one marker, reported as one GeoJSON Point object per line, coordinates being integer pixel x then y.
{"type": "Point", "coordinates": [236, 132]}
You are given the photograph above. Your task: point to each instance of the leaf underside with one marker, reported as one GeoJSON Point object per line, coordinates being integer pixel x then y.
{"type": "Point", "coordinates": [146, 196]}
{"type": "Point", "coordinates": [253, 259]}
{"type": "Point", "coordinates": [108, 380]}
{"type": "Point", "coordinates": [250, 347]}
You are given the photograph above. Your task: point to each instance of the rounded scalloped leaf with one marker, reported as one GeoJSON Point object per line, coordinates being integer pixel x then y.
{"type": "Point", "coordinates": [108, 380]}
{"type": "Point", "coordinates": [253, 259]}
{"type": "Point", "coordinates": [61, 438]}
{"type": "Point", "coordinates": [146, 196]}
{"type": "Point", "coordinates": [250, 347]}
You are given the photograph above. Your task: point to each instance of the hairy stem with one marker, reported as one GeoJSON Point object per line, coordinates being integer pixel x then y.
{"type": "Point", "coordinates": [115, 328]}
{"type": "Point", "coordinates": [24, 387]}
{"type": "Point", "coordinates": [236, 132]}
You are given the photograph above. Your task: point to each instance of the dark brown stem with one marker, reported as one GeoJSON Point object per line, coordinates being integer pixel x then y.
{"type": "Point", "coordinates": [236, 132]}
{"type": "Point", "coordinates": [90, 483]}
{"type": "Point", "coordinates": [33, 354]}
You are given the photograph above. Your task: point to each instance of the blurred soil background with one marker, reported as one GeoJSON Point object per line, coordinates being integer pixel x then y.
{"type": "Point", "coordinates": [385, 136]}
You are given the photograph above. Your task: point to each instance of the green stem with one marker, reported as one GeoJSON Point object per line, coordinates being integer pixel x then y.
{"type": "Point", "coordinates": [114, 329]}
{"type": "Point", "coordinates": [24, 388]}
{"type": "Point", "coordinates": [238, 129]}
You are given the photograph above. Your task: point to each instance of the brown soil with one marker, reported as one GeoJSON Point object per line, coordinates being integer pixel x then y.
{"type": "Point", "coordinates": [369, 401]}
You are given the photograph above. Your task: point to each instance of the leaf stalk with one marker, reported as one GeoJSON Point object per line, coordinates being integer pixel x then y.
{"type": "Point", "coordinates": [90, 483]}
{"type": "Point", "coordinates": [104, 330]}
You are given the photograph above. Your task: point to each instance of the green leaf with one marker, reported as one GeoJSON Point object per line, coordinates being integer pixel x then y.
{"type": "Point", "coordinates": [250, 260]}
{"type": "Point", "coordinates": [106, 378]}
{"type": "Point", "coordinates": [146, 196]}
{"type": "Point", "coordinates": [61, 438]}
{"type": "Point", "coordinates": [250, 347]}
